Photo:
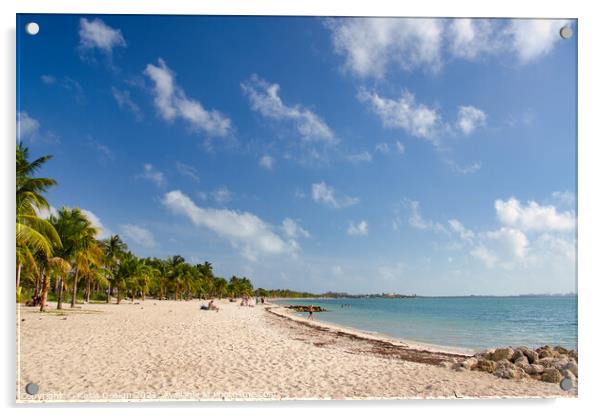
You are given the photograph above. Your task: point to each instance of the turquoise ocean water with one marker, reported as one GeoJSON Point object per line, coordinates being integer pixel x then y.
{"type": "Point", "coordinates": [466, 322]}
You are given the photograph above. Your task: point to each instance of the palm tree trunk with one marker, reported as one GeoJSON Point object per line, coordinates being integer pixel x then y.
{"type": "Point", "coordinates": [19, 266]}
{"type": "Point", "coordinates": [88, 289]}
{"type": "Point", "coordinates": [118, 296]}
{"type": "Point", "coordinates": [45, 287]}
{"type": "Point", "coordinates": [59, 298]}
{"type": "Point", "coordinates": [74, 293]}
{"type": "Point", "coordinates": [109, 293]}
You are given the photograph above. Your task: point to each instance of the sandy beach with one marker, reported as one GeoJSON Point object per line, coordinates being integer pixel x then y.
{"type": "Point", "coordinates": [169, 350]}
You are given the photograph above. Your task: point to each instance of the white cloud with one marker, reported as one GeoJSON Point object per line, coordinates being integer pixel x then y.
{"type": "Point", "coordinates": [457, 227]}
{"type": "Point", "coordinates": [360, 157]}
{"type": "Point", "coordinates": [96, 34]}
{"type": "Point", "coordinates": [245, 231]}
{"type": "Point", "coordinates": [486, 256]}
{"type": "Point", "coordinates": [401, 149]}
{"type": "Point", "coordinates": [188, 171]}
{"type": "Point", "coordinates": [533, 217]}
{"type": "Point", "coordinates": [361, 228]}
{"type": "Point", "coordinates": [139, 235]}
{"type": "Point", "coordinates": [222, 195]}
{"type": "Point", "coordinates": [382, 148]}
{"type": "Point", "coordinates": [534, 38]}
{"type": "Point", "coordinates": [103, 232]}
{"type": "Point", "coordinates": [469, 118]}
{"type": "Point", "coordinates": [48, 79]}
{"type": "Point", "coordinates": [172, 103]}
{"type": "Point", "coordinates": [266, 162]}
{"type": "Point", "coordinates": [415, 219]}
{"type": "Point", "coordinates": [105, 153]}
{"type": "Point", "coordinates": [265, 99]}
{"type": "Point", "coordinates": [371, 45]}
{"type": "Point", "coordinates": [124, 100]}
{"type": "Point", "coordinates": [153, 175]}
{"type": "Point", "coordinates": [293, 230]}
{"type": "Point", "coordinates": [320, 192]}
{"type": "Point", "coordinates": [471, 38]}
{"type": "Point", "coordinates": [27, 126]}
{"type": "Point", "coordinates": [417, 119]}
{"type": "Point", "coordinates": [511, 241]}
{"type": "Point", "coordinates": [464, 169]}
{"type": "Point", "coordinates": [564, 198]}
{"type": "Point", "coordinates": [374, 47]}
{"type": "Point", "coordinates": [47, 212]}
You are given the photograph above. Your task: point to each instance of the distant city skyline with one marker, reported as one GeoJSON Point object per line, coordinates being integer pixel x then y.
{"type": "Point", "coordinates": [359, 155]}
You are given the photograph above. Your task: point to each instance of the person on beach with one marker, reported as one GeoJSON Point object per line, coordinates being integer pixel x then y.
{"type": "Point", "coordinates": [310, 312]}
{"type": "Point", "coordinates": [212, 306]}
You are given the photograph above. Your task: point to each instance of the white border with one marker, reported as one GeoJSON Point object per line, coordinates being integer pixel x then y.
{"type": "Point", "coordinates": [590, 161]}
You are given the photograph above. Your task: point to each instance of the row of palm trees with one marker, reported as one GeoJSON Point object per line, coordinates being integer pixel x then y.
{"type": "Point", "coordinates": [62, 255]}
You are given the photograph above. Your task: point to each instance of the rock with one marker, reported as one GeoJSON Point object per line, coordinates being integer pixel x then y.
{"type": "Point", "coordinates": [486, 365]}
{"type": "Point", "coordinates": [572, 367]}
{"type": "Point", "coordinates": [568, 374]}
{"type": "Point", "coordinates": [546, 362]}
{"type": "Point", "coordinates": [470, 363]}
{"type": "Point", "coordinates": [560, 363]}
{"type": "Point", "coordinates": [551, 375]}
{"type": "Point", "coordinates": [561, 350]}
{"type": "Point", "coordinates": [521, 373]}
{"type": "Point", "coordinates": [531, 355]}
{"type": "Point", "coordinates": [522, 362]}
{"type": "Point", "coordinates": [445, 364]}
{"type": "Point", "coordinates": [505, 369]}
{"type": "Point", "coordinates": [573, 354]}
{"type": "Point", "coordinates": [503, 363]}
{"type": "Point", "coordinates": [545, 354]}
{"type": "Point", "coordinates": [534, 369]}
{"type": "Point", "coordinates": [517, 354]}
{"type": "Point", "coordinates": [502, 354]}
{"type": "Point", "coordinates": [459, 367]}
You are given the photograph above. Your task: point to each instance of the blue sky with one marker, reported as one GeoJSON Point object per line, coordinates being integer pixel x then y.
{"type": "Point", "coordinates": [425, 156]}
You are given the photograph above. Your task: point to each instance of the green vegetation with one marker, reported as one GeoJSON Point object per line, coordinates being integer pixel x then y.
{"type": "Point", "coordinates": [61, 256]}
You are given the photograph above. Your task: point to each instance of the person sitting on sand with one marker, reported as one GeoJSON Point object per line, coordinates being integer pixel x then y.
{"type": "Point", "coordinates": [212, 306]}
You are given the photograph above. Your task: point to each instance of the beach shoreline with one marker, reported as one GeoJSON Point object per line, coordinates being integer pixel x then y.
{"type": "Point", "coordinates": [170, 350]}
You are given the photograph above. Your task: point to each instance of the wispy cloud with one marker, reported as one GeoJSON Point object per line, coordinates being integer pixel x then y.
{"type": "Point", "coordinates": [266, 162]}
{"type": "Point", "coordinates": [404, 113]}
{"type": "Point", "coordinates": [125, 101]}
{"type": "Point", "coordinates": [245, 231]}
{"type": "Point", "coordinates": [188, 171]}
{"type": "Point", "coordinates": [322, 193]}
{"type": "Point", "coordinates": [139, 235]}
{"type": "Point", "coordinates": [68, 84]}
{"type": "Point", "coordinates": [95, 34]}
{"type": "Point", "coordinates": [222, 195]}
{"type": "Point", "coordinates": [360, 228]}
{"type": "Point", "coordinates": [172, 103]}
{"type": "Point", "coordinates": [265, 99]}
{"type": "Point", "coordinates": [374, 47]}
{"type": "Point", "coordinates": [105, 154]}
{"type": "Point", "coordinates": [29, 130]}
{"type": "Point", "coordinates": [469, 118]}
{"type": "Point", "coordinates": [152, 174]}
{"type": "Point", "coordinates": [103, 232]}
{"type": "Point", "coordinates": [293, 230]}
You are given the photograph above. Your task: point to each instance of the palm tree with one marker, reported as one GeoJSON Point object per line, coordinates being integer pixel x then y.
{"type": "Point", "coordinates": [58, 267]}
{"type": "Point", "coordinates": [114, 250]}
{"type": "Point", "coordinates": [80, 247]}
{"type": "Point", "coordinates": [34, 234]}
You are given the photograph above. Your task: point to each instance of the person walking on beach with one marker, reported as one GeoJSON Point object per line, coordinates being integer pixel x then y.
{"type": "Point", "coordinates": [311, 312]}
